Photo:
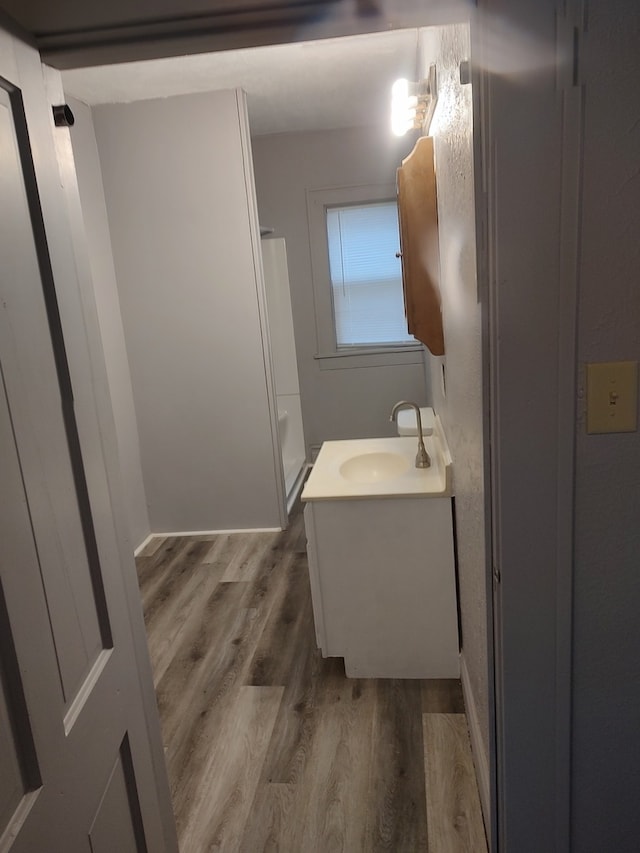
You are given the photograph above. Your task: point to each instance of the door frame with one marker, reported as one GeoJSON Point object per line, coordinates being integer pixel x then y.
{"type": "Point", "coordinates": [527, 152]}
{"type": "Point", "coordinates": [529, 413]}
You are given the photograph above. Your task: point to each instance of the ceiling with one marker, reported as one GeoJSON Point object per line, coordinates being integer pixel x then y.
{"type": "Point", "coordinates": [305, 64]}
{"type": "Point", "coordinates": [77, 33]}
{"type": "Point", "coordinates": [312, 85]}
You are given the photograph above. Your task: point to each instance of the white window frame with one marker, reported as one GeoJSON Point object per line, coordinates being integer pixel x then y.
{"type": "Point", "coordinates": [328, 353]}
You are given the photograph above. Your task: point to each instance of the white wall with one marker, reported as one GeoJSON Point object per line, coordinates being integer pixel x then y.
{"type": "Point", "coordinates": [461, 408]}
{"type": "Point", "coordinates": [181, 213]}
{"type": "Point", "coordinates": [606, 642]}
{"type": "Point", "coordinates": [342, 403]}
{"type": "Point", "coordinates": [98, 239]}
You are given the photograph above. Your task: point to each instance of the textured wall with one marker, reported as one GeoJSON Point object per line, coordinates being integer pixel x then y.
{"type": "Point", "coordinates": [461, 407]}
{"type": "Point", "coordinates": [345, 403]}
{"type": "Point", "coordinates": [94, 212]}
{"type": "Point", "coordinates": [606, 674]}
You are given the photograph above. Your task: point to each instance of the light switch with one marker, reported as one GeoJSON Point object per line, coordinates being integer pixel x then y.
{"type": "Point", "coordinates": [612, 397]}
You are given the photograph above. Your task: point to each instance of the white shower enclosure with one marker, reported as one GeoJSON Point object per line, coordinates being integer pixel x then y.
{"type": "Point", "coordinates": [284, 363]}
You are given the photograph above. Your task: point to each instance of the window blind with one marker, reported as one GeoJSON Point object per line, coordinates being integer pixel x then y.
{"type": "Point", "coordinates": [366, 275]}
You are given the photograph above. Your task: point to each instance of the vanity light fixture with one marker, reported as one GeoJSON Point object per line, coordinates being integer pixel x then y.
{"type": "Point", "coordinates": [413, 104]}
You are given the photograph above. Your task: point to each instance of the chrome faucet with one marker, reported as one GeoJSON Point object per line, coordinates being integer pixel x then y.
{"type": "Point", "coordinates": [422, 457]}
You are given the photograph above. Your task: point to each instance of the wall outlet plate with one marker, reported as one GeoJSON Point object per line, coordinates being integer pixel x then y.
{"type": "Point", "coordinates": [612, 397]}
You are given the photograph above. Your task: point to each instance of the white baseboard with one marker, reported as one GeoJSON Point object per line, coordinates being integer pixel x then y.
{"type": "Point", "coordinates": [480, 761]}
{"type": "Point", "coordinates": [167, 533]}
{"type": "Point", "coordinates": [143, 544]}
{"type": "Point", "coordinates": [177, 533]}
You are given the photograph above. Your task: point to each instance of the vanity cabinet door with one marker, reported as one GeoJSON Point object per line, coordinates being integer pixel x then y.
{"type": "Point", "coordinates": [418, 215]}
{"type": "Point", "coordinates": [383, 585]}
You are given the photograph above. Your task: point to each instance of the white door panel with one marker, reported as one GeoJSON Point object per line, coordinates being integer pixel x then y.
{"type": "Point", "coordinates": [32, 382]}
{"type": "Point", "coordinates": [77, 771]}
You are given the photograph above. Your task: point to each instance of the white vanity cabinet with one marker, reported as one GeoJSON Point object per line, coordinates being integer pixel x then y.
{"type": "Point", "coordinates": [382, 577]}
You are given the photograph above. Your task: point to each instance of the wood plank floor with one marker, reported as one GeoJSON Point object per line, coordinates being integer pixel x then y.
{"type": "Point", "coordinates": [269, 746]}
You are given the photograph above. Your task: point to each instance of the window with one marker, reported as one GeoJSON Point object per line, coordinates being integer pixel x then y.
{"type": "Point", "coordinates": [366, 275]}
{"type": "Point", "coordinates": [357, 278]}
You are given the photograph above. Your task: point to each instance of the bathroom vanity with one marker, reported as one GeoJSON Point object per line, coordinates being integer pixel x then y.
{"type": "Point", "coordinates": [381, 559]}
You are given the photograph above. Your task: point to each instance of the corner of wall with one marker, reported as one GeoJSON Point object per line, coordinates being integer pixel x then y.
{"type": "Point", "coordinates": [97, 240]}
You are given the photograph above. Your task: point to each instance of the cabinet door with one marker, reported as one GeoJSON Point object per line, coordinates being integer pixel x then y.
{"type": "Point", "coordinates": [418, 213]}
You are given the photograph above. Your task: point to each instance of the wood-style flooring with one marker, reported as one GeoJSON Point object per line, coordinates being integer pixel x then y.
{"type": "Point", "coordinates": [269, 746]}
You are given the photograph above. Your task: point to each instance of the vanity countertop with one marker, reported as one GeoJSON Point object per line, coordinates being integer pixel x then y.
{"type": "Point", "coordinates": [381, 468]}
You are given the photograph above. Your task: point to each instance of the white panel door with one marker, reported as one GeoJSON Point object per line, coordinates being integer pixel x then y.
{"type": "Point", "coordinates": [76, 769]}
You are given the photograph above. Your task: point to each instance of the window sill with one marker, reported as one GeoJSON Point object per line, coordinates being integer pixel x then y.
{"type": "Point", "coordinates": [370, 357]}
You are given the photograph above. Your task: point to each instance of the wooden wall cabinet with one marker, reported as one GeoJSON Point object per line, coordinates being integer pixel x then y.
{"type": "Point", "coordinates": [418, 215]}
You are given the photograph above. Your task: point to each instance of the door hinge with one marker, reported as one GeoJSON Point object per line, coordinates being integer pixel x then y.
{"type": "Point", "coordinates": [497, 577]}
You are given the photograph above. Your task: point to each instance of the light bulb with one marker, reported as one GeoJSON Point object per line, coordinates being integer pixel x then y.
{"type": "Point", "coordinates": [400, 123]}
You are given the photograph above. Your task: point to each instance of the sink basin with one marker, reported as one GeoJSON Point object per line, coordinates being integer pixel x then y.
{"type": "Point", "coordinates": [363, 468]}
{"type": "Point", "coordinates": [374, 467]}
